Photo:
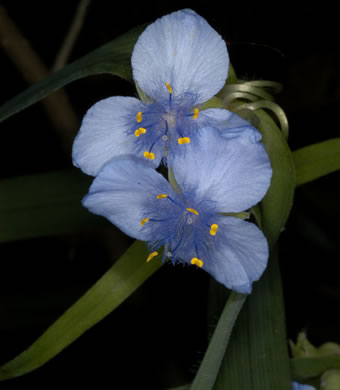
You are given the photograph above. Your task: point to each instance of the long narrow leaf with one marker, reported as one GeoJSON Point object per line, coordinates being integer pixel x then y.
{"type": "Point", "coordinates": [252, 360]}
{"type": "Point", "coordinates": [276, 205]}
{"type": "Point", "coordinates": [44, 204]}
{"type": "Point", "coordinates": [317, 160]}
{"type": "Point", "coordinates": [210, 365]}
{"type": "Point", "coordinates": [257, 355]}
{"type": "Point", "coordinates": [113, 58]}
{"type": "Point", "coordinates": [124, 277]}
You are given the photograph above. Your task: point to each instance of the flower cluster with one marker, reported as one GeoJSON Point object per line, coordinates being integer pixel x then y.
{"type": "Point", "coordinates": [219, 166]}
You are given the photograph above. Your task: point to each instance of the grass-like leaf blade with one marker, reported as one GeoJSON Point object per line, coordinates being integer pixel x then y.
{"type": "Point", "coordinates": [207, 372]}
{"type": "Point", "coordinates": [276, 205]}
{"type": "Point", "coordinates": [121, 280]}
{"type": "Point", "coordinates": [317, 160]}
{"type": "Point", "coordinates": [257, 355]}
{"type": "Point", "coordinates": [44, 204]}
{"type": "Point", "coordinates": [113, 58]}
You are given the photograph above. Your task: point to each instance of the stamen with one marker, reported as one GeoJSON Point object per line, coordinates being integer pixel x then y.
{"type": "Point", "coordinates": [151, 256]}
{"type": "Point", "coordinates": [184, 140]}
{"type": "Point", "coordinates": [196, 112]}
{"type": "Point", "coordinates": [193, 211]}
{"type": "Point", "coordinates": [213, 229]}
{"type": "Point", "coordinates": [161, 196]}
{"type": "Point", "coordinates": [139, 116]}
{"type": "Point", "coordinates": [196, 261]}
{"type": "Point", "coordinates": [149, 155]}
{"type": "Point", "coordinates": [140, 131]}
{"type": "Point", "coordinates": [174, 202]}
{"type": "Point", "coordinates": [169, 87]}
{"type": "Point", "coordinates": [143, 221]}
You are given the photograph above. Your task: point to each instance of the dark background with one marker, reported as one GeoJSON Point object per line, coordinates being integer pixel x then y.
{"type": "Point", "coordinates": [148, 340]}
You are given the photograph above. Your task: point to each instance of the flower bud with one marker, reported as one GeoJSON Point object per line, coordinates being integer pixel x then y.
{"type": "Point", "coordinates": [330, 380]}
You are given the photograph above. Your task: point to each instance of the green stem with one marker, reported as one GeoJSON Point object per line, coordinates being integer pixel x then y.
{"type": "Point", "coordinates": [210, 365]}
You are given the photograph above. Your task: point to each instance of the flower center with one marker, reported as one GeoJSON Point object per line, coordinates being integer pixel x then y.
{"type": "Point", "coordinates": [175, 226]}
{"type": "Point", "coordinates": [170, 118]}
{"type": "Point", "coordinates": [165, 124]}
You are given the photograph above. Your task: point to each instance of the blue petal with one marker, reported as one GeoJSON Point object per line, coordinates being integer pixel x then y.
{"type": "Point", "coordinates": [184, 50]}
{"type": "Point", "coordinates": [234, 173]}
{"type": "Point", "coordinates": [123, 190]}
{"type": "Point", "coordinates": [105, 133]}
{"type": "Point", "coordinates": [229, 124]}
{"type": "Point", "coordinates": [298, 386]}
{"type": "Point", "coordinates": [241, 255]}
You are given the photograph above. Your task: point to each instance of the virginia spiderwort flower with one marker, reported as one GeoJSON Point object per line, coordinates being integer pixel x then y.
{"type": "Point", "coordinates": [215, 176]}
{"type": "Point", "coordinates": [179, 62]}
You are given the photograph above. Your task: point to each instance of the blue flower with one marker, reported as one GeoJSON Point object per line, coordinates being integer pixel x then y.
{"type": "Point", "coordinates": [298, 386]}
{"type": "Point", "coordinates": [194, 222]}
{"type": "Point", "coordinates": [179, 62]}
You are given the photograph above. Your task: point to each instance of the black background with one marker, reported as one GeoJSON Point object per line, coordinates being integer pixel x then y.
{"type": "Point", "coordinates": [157, 337]}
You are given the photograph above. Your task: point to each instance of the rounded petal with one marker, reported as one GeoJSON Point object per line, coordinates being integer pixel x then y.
{"type": "Point", "coordinates": [122, 191]}
{"type": "Point", "coordinates": [105, 133]}
{"type": "Point", "coordinates": [229, 124]}
{"type": "Point", "coordinates": [183, 50]}
{"type": "Point", "coordinates": [241, 255]}
{"type": "Point", "coordinates": [234, 173]}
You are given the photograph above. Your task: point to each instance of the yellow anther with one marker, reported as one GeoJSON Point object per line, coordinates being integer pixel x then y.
{"type": "Point", "coordinates": [213, 229]}
{"type": "Point", "coordinates": [149, 155]}
{"type": "Point", "coordinates": [140, 131]}
{"type": "Point", "coordinates": [196, 261]}
{"type": "Point", "coordinates": [161, 196]}
{"type": "Point", "coordinates": [196, 112]}
{"type": "Point", "coordinates": [193, 211]}
{"type": "Point", "coordinates": [184, 140]}
{"type": "Point", "coordinates": [143, 221]}
{"type": "Point", "coordinates": [169, 87]}
{"type": "Point", "coordinates": [139, 116]}
{"type": "Point", "coordinates": [151, 256]}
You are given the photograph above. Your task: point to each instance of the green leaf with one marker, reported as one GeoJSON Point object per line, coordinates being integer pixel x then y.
{"type": "Point", "coordinates": [207, 372]}
{"type": "Point", "coordinates": [44, 204]}
{"type": "Point", "coordinates": [257, 355]}
{"type": "Point", "coordinates": [317, 160]}
{"type": "Point", "coordinates": [310, 367]}
{"type": "Point", "coordinates": [113, 58]}
{"type": "Point", "coordinates": [272, 212]}
{"type": "Point", "coordinates": [122, 279]}
{"type": "Point", "coordinates": [276, 205]}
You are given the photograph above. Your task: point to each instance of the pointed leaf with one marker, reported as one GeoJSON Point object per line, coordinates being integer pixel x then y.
{"type": "Point", "coordinates": [314, 161]}
{"type": "Point", "coordinates": [207, 372]}
{"type": "Point", "coordinates": [114, 58]}
{"type": "Point", "coordinates": [44, 204]}
{"type": "Point", "coordinates": [257, 355]}
{"type": "Point", "coordinates": [276, 205]}
{"type": "Point", "coordinates": [122, 279]}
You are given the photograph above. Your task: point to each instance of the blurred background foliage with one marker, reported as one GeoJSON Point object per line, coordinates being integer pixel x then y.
{"type": "Point", "coordinates": [157, 337]}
